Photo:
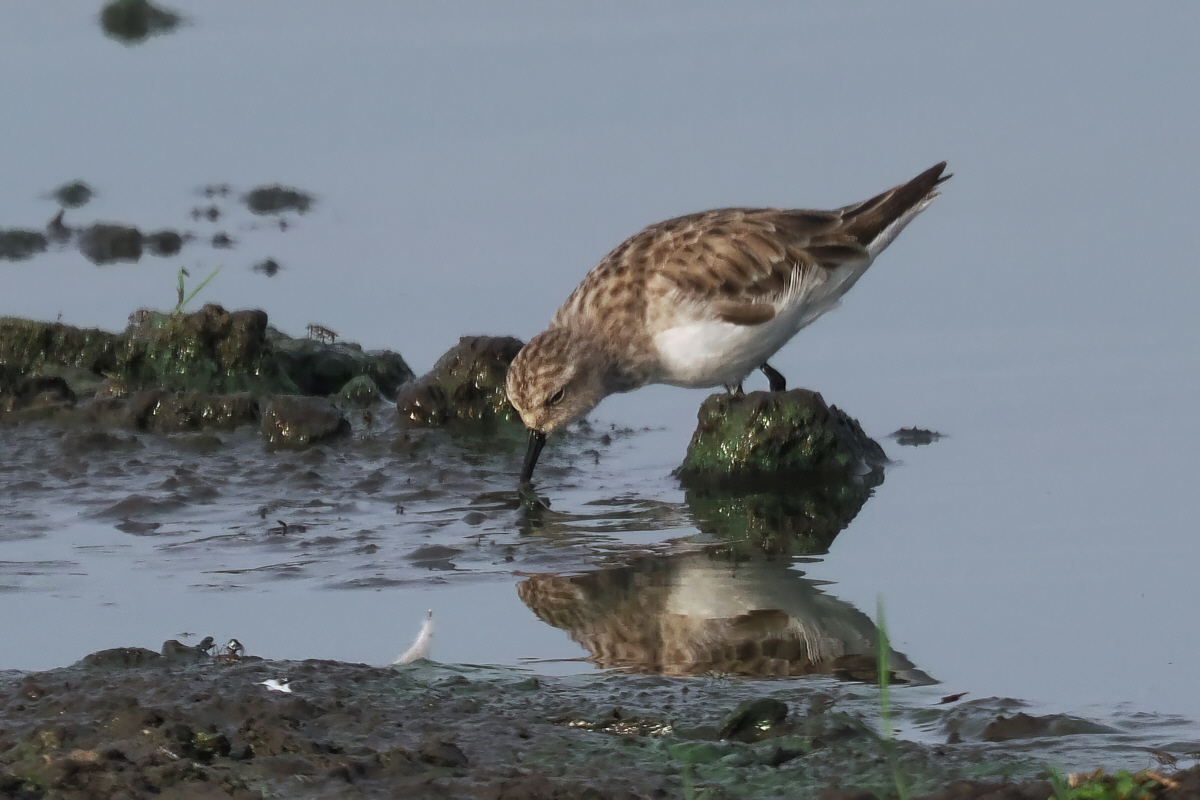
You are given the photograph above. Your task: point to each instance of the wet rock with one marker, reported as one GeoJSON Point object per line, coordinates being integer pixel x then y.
{"type": "Point", "coordinates": [73, 194]}
{"type": "Point", "coordinates": [275, 199]}
{"type": "Point", "coordinates": [164, 243]}
{"type": "Point", "coordinates": [41, 393]}
{"type": "Point", "coordinates": [441, 753]}
{"type": "Point", "coordinates": [465, 385]}
{"type": "Point", "coordinates": [211, 350]}
{"type": "Point", "coordinates": [293, 421]}
{"type": "Point", "coordinates": [173, 412]}
{"type": "Point", "coordinates": [83, 442]}
{"type": "Point", "coordinates": [18, 244]}
{"type": "Point", "coordinates": [105, 243]}
{"type": "Point", "coordinates": [359, 392]}
{"type": "Point", "coordinates": [765, 432]}
{"type": "Point", "coordinates": [176, 652]}
{"type": "Point", "coordinates": [323, 368]}
{"type": "Point", "coordinates": [1025, 726]}
{"type": "Point", "coordinates": [755, 720]}
{"type": "Point", "coordinates": [131, 21]}
{"type": "Point", "coordinates": [31, 346]}
{"type": "Point", "coordinates": [120, 658]}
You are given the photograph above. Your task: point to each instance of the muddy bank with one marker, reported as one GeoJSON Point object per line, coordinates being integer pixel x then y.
{"type": "Point", "coordinates": [130, 722]}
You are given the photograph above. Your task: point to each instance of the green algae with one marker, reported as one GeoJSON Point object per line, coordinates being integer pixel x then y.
{"type": "Point", "coordinates": [765, 432]}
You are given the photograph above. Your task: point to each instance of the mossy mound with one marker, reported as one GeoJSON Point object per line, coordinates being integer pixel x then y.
{"type": "Point", "coordinates": [773, 432]}
{"type": "Point", "coordinates": [466, 385]}
{"type": "Point", "coordinates": [29, 347]}
{"type": "Point", "coordinates": [181, 372]}
{"type": "Point", "coordinates": [211, 350]}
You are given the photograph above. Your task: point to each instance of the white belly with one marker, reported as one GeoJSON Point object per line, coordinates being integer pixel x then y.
{"type": "Point", "coordinates": [707, 352]}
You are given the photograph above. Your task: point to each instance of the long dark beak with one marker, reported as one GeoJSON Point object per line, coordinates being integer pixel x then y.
{"type": "Point", "coordinates": [537, 440]}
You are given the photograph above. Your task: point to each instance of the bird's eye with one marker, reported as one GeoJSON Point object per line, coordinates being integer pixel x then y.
{"type": "Point", "coordinates": [556, 398]}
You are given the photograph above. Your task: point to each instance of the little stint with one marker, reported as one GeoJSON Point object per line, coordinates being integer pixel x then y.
{"type": "Point", "coordinates": [700, 301]}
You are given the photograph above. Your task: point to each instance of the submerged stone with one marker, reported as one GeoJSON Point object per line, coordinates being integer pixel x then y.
{"type": "Point", "coordinates": [131, 21]}
{"type": "Point", "coordinates": [294, 421]}
{"type": "Point", "coordinates": [18, 244]}
{"type": "Point", "coordinates": [105, 243]}
{"type": "Point", "coordinates": [465, 385]}
{"type": "Point", "coordinates": [765, 432]}
{"type": "Point", "coordinates": [73, 194]}
{"type": "Point", "coordinates": [42, 393]}
{"type": "Point", "coordinates": [755, 720]}
{"type": "Point", "coordinates": [275, 199]}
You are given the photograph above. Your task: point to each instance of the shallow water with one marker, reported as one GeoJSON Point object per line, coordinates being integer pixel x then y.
{"type": "Point", "coordinates": [469, 168]}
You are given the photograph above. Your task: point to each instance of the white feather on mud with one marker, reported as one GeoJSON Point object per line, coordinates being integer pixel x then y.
{"type": "Point", "coordinates": [421, 645]}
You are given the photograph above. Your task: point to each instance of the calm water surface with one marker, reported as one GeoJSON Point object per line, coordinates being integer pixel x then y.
{"type": "Point", "coordinates": [471, 164]}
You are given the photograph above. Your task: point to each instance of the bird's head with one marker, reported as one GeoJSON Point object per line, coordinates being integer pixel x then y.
{"type": "Point", "coordinates": [557, 378]}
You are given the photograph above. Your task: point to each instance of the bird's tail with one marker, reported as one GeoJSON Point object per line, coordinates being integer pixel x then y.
{"type": "Point", "coordinates": [876, 222]}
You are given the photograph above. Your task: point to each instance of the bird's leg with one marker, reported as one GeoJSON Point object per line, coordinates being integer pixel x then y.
{"type": "Point", "coordinates": [735, 389]}
{"type": "Point", "coordinates": [778, 383]}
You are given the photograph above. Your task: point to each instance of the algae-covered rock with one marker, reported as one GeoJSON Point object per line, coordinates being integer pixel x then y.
{"type": "Point", "coordinates": [359, 392]}
{"type": "Point", "coordinates": [322, 368]}
{"type": "Point", "coordinates": [172, 412]}
{"type": "Point", "coordinates": [211, 350]}
{"type": "Point", "coordinates": [31, 347]}
{"type": "Point", "coordinates": [465, 385]}
{"type": "Point", "coordinates": [293, 421]}
{"type": "Point", "coordinates": [765, 432]}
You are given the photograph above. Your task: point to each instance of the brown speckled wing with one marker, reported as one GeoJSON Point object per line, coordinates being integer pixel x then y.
{"type": "Point", "coordinates": [749, 256]}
